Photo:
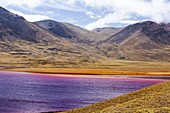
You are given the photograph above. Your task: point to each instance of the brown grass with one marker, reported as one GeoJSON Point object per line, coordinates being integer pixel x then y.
{"type": "Point", "coordinates": [87, 71]}
{"type": "Point", "coordinates": [153, 99]}
{"type": "Point", "coordinates": [103, 66]}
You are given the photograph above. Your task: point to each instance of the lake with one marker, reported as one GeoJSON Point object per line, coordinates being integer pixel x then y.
{"type": "Point", "coordinates": [26, 92]}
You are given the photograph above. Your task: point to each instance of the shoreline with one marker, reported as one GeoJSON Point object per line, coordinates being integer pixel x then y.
{"type": "Point", "coordinates": [78, 71]}
{"type": "Point", "coordinates": [96, 76]}
{"type": "Point", "coordinates": [128, 101]}
{"type": "Point", "coordinates": [86, 75]}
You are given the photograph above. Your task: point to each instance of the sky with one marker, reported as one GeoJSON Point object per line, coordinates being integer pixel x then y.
{"type": "Point", "coordinates": [91, 14]}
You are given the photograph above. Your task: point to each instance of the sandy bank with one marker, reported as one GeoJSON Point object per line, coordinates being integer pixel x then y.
{"type": "Point", "coordinates": [75, 71]}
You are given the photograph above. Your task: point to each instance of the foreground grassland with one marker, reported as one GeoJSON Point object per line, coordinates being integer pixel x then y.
{"type": "Point", "coordinates": [153, 99]}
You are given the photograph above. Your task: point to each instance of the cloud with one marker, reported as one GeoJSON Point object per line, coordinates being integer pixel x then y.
{"type": "Point", "coordinates": [121, 11]}
{"type": "Point", "coordinates": [129, 21]}
{"type": "Point", "coordinates": [22, 3]}
{"type": "Point", "coordinates": [30, 17]}
{"type": "Point", "coordinates": [92, 15]}
{"type": "Point", "coordinates": [70, 5]}
{"type": "Point", "coordinates": [103, 22]}
{"type": "Point", "coordinates": [102, 13]}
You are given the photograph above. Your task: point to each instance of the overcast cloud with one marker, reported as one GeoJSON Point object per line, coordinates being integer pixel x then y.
{"type": "Point", "coordinates": [92, 13]}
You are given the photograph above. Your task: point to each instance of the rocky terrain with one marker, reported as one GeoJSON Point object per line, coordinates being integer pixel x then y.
{"type": "Point", "coordinates": [141, 41]}
{"type": "Point", "coordinates": [54, 44]}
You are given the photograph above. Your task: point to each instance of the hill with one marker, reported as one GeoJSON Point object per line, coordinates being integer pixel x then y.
{"type": "Point", "coordinates": [51, 44]}
{"type": "Point", "coordinates": [152, 99]}
{"type": "Point", "coordinates": [69, 31]}
{"type": "Point", "coordinates": [141, 41]}
{"type": "Point", "coordinates": [107, 31]}
{"type": "Point", "coordinates": [76, 33]}
{"type": "Point", "coordinates": [25, 44]}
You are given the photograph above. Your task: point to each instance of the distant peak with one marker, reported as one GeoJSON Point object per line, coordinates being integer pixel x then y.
{"type": "Point", "coordinates": [3, 10]}
{"type": "Point", "coordinates": [7, 14]}
{"type": "Point", "coordinates": [105, 28]}
{"type": "Point", "coordinates": [46, 21]}
{"type": "Point", "coordinates": [143, 25]}
{"type": "Point", "coordinates": [149, 22]}
{"type": "Point", "coordinates": [146, 23]}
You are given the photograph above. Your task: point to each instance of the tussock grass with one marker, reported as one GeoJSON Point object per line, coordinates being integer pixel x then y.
{"type": "Point", "coordinates": [152, 99]}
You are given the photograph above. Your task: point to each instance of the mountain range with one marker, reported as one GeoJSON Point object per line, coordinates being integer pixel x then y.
{"type": "Point", "coordinates": [49, 41]}
{"type": "Point", "coordinates": [141, 41]}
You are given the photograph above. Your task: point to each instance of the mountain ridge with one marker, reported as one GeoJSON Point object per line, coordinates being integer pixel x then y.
{"type": "Point", "coordinates": [25, 44]}
{"type": "Point", "coordinates": [150, 38]}
{"type": "Point", "coordinates": [146, 41]}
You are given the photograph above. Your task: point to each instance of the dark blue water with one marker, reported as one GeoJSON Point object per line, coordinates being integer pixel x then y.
{"type": "Point", "coordinates": [23, 92]}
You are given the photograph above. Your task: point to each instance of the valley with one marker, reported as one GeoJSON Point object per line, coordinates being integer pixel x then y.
{"type": "Point", "coordinates": [49, 44]}
{"type": "Point", "coordinates": [65, 55]}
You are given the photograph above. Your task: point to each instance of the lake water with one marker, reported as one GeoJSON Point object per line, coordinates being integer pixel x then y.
{"type": "Point", "coordinates": [24, 92]}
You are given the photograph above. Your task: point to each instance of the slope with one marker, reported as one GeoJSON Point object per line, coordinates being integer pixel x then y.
{"type": "Point", "coordinates": [152, 99]}
{"type": "Point", "coordinates": [141, 41]}
{"type": "Point", "coordinates": [24, 44]}
{"type": "Point", "coordinates": [68, 31]}
{"type": "Point", "coordinates": [107, 32]}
